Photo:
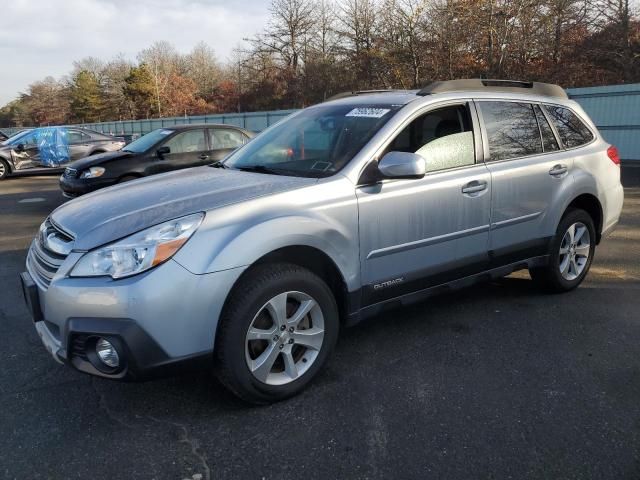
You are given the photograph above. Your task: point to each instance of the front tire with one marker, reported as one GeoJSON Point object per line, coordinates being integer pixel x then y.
{"type": "Point", "coordinates": [571, 253]}
{"type": "Point", "coordinates": [4, 169]}
{"type": "Point", "coordinates": [276, 333]}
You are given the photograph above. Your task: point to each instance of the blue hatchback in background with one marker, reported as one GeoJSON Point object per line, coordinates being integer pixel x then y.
{"type": "Point", "coordinates": [48, 149]}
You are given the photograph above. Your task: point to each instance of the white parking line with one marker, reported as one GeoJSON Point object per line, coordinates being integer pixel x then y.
{"type": "Point", "coordinates": [31, 200]}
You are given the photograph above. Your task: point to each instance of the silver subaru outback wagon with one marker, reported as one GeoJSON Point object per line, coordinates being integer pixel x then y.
{"type": "Point", "coordinates": [251, 265]}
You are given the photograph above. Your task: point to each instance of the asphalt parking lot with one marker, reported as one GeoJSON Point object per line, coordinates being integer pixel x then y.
{"type": "Point", "coordinates": [498, 381]}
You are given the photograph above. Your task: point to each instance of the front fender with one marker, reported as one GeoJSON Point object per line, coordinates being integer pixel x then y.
{"type": "Point", "coordinates": [232, 249]}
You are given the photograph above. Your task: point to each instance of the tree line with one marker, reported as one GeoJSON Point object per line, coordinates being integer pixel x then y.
{"type": "Point", "coordinates": [312, 49]}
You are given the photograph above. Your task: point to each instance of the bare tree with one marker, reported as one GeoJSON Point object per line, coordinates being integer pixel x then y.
{"type": "Point", "coordinates": [162, 60]}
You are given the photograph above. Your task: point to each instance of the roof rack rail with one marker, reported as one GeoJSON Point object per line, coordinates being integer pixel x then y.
{"type": "Point", "coordinates": [488, 85]}
{"type": "Point", "coordinates": [361, 92]}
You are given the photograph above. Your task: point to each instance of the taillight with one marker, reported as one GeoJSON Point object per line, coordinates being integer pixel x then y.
{"type": "Point", "coordinates": [613, 154]}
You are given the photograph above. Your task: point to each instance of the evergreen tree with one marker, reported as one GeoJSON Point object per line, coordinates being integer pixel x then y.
{"type": "Point", "coordinates": [140, 90]}
{"type": "Point", "coordinates": [86, 97]}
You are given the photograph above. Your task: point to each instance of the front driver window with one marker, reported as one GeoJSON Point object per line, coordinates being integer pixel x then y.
{"type": "Point", "coordinates": [443, 137]}
{"type": "Point", "coordinates": [187, 142]}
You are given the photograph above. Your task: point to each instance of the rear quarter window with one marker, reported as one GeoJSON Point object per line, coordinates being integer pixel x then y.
{"type": "Point", "coordinates": [572, 131]}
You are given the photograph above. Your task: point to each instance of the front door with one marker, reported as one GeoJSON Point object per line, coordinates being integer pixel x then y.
{"type": "Point", "coordinates": [26, 154]}
{"type": "Point", "coordinates": [186, 149]}
{"type": "Point", "coordinates": [418, 233]}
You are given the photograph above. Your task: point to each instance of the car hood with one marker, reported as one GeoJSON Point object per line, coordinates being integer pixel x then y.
{"type": "Point", "coordinates": [115, 212]}
{"type": "Point", "coordinates": [99, 159]}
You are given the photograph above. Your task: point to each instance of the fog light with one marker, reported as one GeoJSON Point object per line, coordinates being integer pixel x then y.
{"type": "Point", "coordinates": [107, 353]}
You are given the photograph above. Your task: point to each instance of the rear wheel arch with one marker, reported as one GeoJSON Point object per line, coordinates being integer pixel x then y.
{"type": "Point", "coordinates": [590, 204]}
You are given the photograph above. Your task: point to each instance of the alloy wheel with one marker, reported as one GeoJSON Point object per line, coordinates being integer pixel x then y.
{"type": "Point", "coordinates": [575, 249]}
{"type": "Point", "coordinates": [284, 338]}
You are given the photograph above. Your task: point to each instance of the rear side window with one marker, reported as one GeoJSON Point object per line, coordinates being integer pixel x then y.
{"type": "Point", "coordinates": [549, 141]}
{"type": "Point", "coordinates": [572, 131]}
{"type": "Point", "coordinates": [223, 138]}
{"type": "Point", "coordinates": [512, 130]}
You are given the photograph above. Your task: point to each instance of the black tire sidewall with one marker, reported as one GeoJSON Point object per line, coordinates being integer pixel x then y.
{"type": "Point", "coordinates": [7, 170]}
{"type": "Point", "coordinates": [242, 309]}
{"type": "Point", "coordinates": [573, 216]}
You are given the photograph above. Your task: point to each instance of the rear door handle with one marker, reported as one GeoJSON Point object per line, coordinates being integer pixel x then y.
{"type": "Point", "coordinates": [204, 157]}
{"type": "Point", "coordinates": [558, 170]}
{"type": "Point", "coordinates": [474, 187]}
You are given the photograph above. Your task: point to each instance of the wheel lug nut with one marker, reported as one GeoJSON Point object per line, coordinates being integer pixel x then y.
{"type": "Point", "coordinates": [276, 338]}
{"type": "Point", "coordinates": [291, 340]}
{"type": "Point", "coordinates": [281, 346]}
{"type": "Point", "coordinates": [291, 329]}
{"type": "Point", "coordinates": [283, 328]}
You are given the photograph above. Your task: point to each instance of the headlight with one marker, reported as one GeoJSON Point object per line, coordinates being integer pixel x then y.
{"type": "Point", "coordinates": [93, 172]}
{"type": "Point", "coordinates": [140, 251]}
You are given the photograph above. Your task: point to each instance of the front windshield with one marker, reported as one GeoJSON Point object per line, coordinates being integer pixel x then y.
{"type": "Point", "coordinates": [317, 142]}
{"type": "Point", "coordinates": [17, 138]}
{"type": "Point", "coordinates": [147, 141]}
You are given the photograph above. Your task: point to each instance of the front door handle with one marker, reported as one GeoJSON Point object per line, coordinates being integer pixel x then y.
{"type": "Point", "coordinates": [474, 187]}
{"type": "Point", "coordinates": [558, 170]}
{"type": "Point", "coordinates": [204, 157]}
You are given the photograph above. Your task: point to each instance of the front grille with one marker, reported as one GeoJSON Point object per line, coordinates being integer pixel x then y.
{"type": "Point", "coordinates": [42, 261]}
{"type": "Point", "coordinates": [70, 172]}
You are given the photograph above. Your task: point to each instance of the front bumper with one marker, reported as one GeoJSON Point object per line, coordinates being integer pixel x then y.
{"type": "Point", "coordinates": [161, 322]}
{"type": "Point", "coordinates": [74, 187]}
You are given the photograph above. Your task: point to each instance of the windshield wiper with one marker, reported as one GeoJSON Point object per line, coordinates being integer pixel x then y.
{"type": "Point", "coordinates": [218, 164]}
{"type": "Point", "coordinates": [260, 169]}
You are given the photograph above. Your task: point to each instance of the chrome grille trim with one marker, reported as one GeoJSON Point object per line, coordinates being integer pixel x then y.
{"type": "Point", "coordinates": [70, 172]}
{"type": "Point", "coordinates": [43, 262]}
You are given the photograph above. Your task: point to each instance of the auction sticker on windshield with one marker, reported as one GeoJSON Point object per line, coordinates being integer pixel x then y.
{"type": "Point", "coordinates": [368, 112]}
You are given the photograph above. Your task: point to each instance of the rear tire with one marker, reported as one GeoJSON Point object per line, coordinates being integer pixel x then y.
{"type": "Point", "coordinates": [4, 169]}
{"type": "Point", "coordinates": [264, 357]}
{"type": "Point", "coordinates": [571, 253]}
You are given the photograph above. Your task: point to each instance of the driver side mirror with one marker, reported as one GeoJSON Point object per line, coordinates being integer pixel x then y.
{"type": "Point", "coordinates": [20, 147]}
{"type": "Point", "coordinates": [402, 165]}
{"type": "Point", "coordinates": [163, 151]}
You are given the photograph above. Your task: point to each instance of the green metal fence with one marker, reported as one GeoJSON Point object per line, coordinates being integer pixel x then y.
{"type": "Point", "coordinates": [254, 121]}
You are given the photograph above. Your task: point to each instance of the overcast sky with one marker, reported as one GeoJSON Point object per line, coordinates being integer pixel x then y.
{"type": "Point", "coordinates": [43, 37]}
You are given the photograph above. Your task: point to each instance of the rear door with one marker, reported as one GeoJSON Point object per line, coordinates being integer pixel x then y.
{"type": "Point", "coordinates": [223, 141]}
{"type": "Point", "coordinates": [79, 144]}
{"type": "Point", "coordinates": [418, 233]}
{"type": "Point", "coordinates": [527, 174]}
{"type": "Point", "coordinates": [186, 149]}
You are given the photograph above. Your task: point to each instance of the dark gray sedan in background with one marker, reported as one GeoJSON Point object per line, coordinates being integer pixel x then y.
{"type": "Point", "coordinates": [48, 149]}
